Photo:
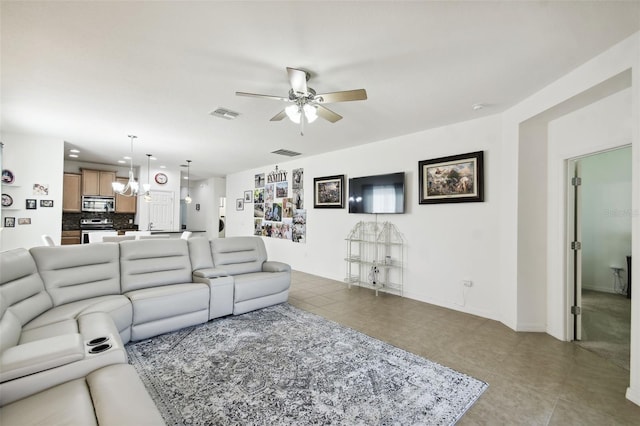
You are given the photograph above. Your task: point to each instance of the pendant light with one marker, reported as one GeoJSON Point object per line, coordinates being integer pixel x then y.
{"type": "Point", "coordinates": [131, 188]}
{"type": "Point", "coordinates": [147, 186]}
{"type": "Point", "coordinates": [187, 199]}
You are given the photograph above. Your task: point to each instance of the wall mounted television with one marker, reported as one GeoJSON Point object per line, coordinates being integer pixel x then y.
{"type": "Point", "coordinates": [377, 194]}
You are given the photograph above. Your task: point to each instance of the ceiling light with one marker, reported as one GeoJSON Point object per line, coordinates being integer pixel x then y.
{"type": "Point", "coordinates": [127, 157]}
{"type": "Point", "coordinates": [73, 155]}
{"type": "Point", "coordinates": [131, 188]}
{"type": "Point", "coordinates": [294, 112]}
{"type": "Point", "coordinates": [477, 107]}
{"type": "Point", "coordinates": [152, 158]}
{"type": "Point", "coordinates": [147, 186]}
{"type": "Point", "coordinates": [187, 199]}
{"type": "Point", "coordinates": [75, 151]}
{"type": "Point", "coordinates": [122, 162]}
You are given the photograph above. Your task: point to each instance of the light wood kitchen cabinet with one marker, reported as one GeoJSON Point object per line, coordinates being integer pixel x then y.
{"type": "Point", "coordinates": [97, 182]}
{"type": "Point", "coordinates": [70, 237]}
{"type": "Point", "coordinates": [71, 192]}
{"type": "Point", "coordinates": [125, 204]}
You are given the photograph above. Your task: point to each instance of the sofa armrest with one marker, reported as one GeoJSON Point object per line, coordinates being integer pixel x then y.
{"type": "Point", "coordinates": [273, 266]}
{"type": "Point", "coordinates": [209, 273]}
{"type": "Point", "coordinates": [40, 355]}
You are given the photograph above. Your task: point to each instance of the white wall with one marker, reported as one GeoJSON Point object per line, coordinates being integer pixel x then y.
{"type": "Point", "coordinates": [445, 243]}
{"type": "Point", "coordinates": [620, 58]}
{"type": "Point", "coordinates": [32, 159]}
{"type": "Point", "coordinates": [606, 216]}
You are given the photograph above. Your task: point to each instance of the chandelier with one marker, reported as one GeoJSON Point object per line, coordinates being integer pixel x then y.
{"type": "Point", "coordinates": [131, 188]}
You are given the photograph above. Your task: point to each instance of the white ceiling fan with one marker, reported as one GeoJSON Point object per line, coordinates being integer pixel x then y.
{"type": "Point", "coordinates": [306, 104]}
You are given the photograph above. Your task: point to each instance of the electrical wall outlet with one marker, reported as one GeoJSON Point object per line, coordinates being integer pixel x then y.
{"type": "Point", "coordinates": [467, 283]}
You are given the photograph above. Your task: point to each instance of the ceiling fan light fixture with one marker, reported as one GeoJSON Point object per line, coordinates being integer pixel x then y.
{"type": "Point", "coordinates": [293, 112]}
{"type": "Point", "coordinates": [310, 112]}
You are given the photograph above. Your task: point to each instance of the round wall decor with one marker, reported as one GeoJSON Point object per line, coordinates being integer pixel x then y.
{"type": "Point", "coordinates": [161, 178]}
{"type": "Point", "coordinates": [6, 200]}
{"type": "Point", "coordinates": [7, 176]}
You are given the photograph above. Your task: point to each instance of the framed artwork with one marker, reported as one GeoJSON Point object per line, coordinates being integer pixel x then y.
{"type": "Point", "coordinates": [248, 196]}
{"type": "Point", "coordinates": [46, 203]}
{"type": "Point", "coordinates": [239, 204]}
{"type": "Point", "coordinates": [31, 204]}
{"type": "Point", "coordinates": [259, 180]}
{"type": "Point", "coordinates": [9, 222]}
{"type": "Point", "coordinates": [24, 221]}
{"type": "Point", "coordinates": [328, 192]}
{"type": "Point", "coordinates": [453, 179]}
{"type": "Point", "coordinates": [40, 189]}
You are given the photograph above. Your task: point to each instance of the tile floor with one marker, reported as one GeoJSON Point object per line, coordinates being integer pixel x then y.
{"type": "Point", "coordinates": [533, 378]}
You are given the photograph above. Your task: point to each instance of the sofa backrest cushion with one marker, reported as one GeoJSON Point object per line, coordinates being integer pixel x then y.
{"type": "Point", "coordinates": [78, 272]}
{"type": "Point", "coordinates": [238, 255]}
{"type": "Point", "coordinates": [200, 253]}
{"type": "Point", "coordinates": [22, 295]}
{"type": "Point", "coordinates": [152, 263]}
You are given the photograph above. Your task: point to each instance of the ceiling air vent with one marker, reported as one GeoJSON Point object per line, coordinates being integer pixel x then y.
{"type": "Point", "coordinates": [286, 152]}
{"type": "Point", "coordinates": [225, 113]}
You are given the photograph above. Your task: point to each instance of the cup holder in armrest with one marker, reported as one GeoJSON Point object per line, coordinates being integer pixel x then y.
{"type": "Point", "coordinates": [97, 341]}
{"type": "Point", "coordinates": [99, 348]}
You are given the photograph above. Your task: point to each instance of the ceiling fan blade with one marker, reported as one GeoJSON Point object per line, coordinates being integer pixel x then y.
{"type": "Point", "coordinates": [327, 114]}
{"type": "Point", "coordinates": [298, 80]}
{"type": "Point", "coordinates": [279, 116]}
{"type": "Point", "coordinates": [344, 96]}
{"type": "Point", "coordinates": [255, 95]}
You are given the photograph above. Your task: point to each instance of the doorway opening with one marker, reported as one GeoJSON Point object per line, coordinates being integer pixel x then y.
{"type": "Point", "coordinates": [599, 219]}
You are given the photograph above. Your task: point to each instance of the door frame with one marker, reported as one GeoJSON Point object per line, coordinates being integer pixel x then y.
{"type": "Point", "coordinates": [571, 294]}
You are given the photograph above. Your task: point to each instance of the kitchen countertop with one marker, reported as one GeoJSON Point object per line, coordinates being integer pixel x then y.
{"type": "Point", "coordinates": [175, 232]}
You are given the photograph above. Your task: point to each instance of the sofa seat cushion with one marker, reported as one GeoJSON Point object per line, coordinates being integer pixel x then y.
{"type": "Point", "coordinates": [260, 284]}
{"type": "Point", "coordinates": [120, 398]}
{"type": "Point", "coordinates": [59, 328]}
{"type": "Point", "coordinates": [117, 306]}
{"type": "Point", "coordinates": [66, 404]}
{"type": "Point", "coordinates": [113, 395]}
{"type": "Point", "coordinates": [157, 303]}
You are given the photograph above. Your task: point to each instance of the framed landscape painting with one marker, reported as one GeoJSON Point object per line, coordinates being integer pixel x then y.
{"type": "Point", "coordinates": [453, 179]}
{"type": "Point", "coordinates": [328, 192]}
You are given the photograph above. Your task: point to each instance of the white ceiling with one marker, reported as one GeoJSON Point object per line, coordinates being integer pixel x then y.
{"type": "Point", "coordinates": [91, 73]}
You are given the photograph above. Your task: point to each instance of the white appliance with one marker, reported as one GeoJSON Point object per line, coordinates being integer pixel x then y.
{"type": "Point", "coordinates": [92, 203]}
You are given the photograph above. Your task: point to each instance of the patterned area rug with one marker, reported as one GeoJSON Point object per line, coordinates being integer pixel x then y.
{"type": "Point", "coordinates": [281, 365]}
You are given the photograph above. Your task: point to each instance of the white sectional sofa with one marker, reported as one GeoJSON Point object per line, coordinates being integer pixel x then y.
{"type": "Point", "coordinates": [67, 312]}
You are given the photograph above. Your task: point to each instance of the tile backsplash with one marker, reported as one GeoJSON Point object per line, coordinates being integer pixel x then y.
{"type": "Point", "coordinates": [71, 221]}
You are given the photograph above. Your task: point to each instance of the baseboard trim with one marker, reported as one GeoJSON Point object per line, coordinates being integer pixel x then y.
{"type": "Point", "coordinates": [633, 395]}
{"type": "Point", "coordinates": [532, 327]}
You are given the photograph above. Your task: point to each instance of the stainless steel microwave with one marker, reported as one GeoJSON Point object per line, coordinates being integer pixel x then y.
{"type": "Point", "coordinates": [98, 204]}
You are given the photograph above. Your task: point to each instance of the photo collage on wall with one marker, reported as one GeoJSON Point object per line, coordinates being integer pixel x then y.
{"type": "Point", "coordinates": [278, 205]}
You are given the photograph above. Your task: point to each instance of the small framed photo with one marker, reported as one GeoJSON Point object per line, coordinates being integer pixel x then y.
{"type": "Point", "coordinates": [9, 222]}
{"type": "Point", "coordinates": [239, 204]}
{"type": "Point", "coordinates": [24, 221]}
{"type": "Point", "coordinates": [453, 179]}
{"type": "Point", "coordinates": [248, 196]}
{"type": "Point", "coordinates": [46, 203]}
{"type": "Point", "coordinates": [31, 204]}
{"type": "Point", "coordinates": [328, 192]}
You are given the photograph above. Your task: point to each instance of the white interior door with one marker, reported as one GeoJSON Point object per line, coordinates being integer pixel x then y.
{"type": "Point", "coordinates": [161, 211]}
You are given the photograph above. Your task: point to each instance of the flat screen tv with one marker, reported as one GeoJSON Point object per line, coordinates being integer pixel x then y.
{"type": "Point", "coordinates": [377, 194]}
